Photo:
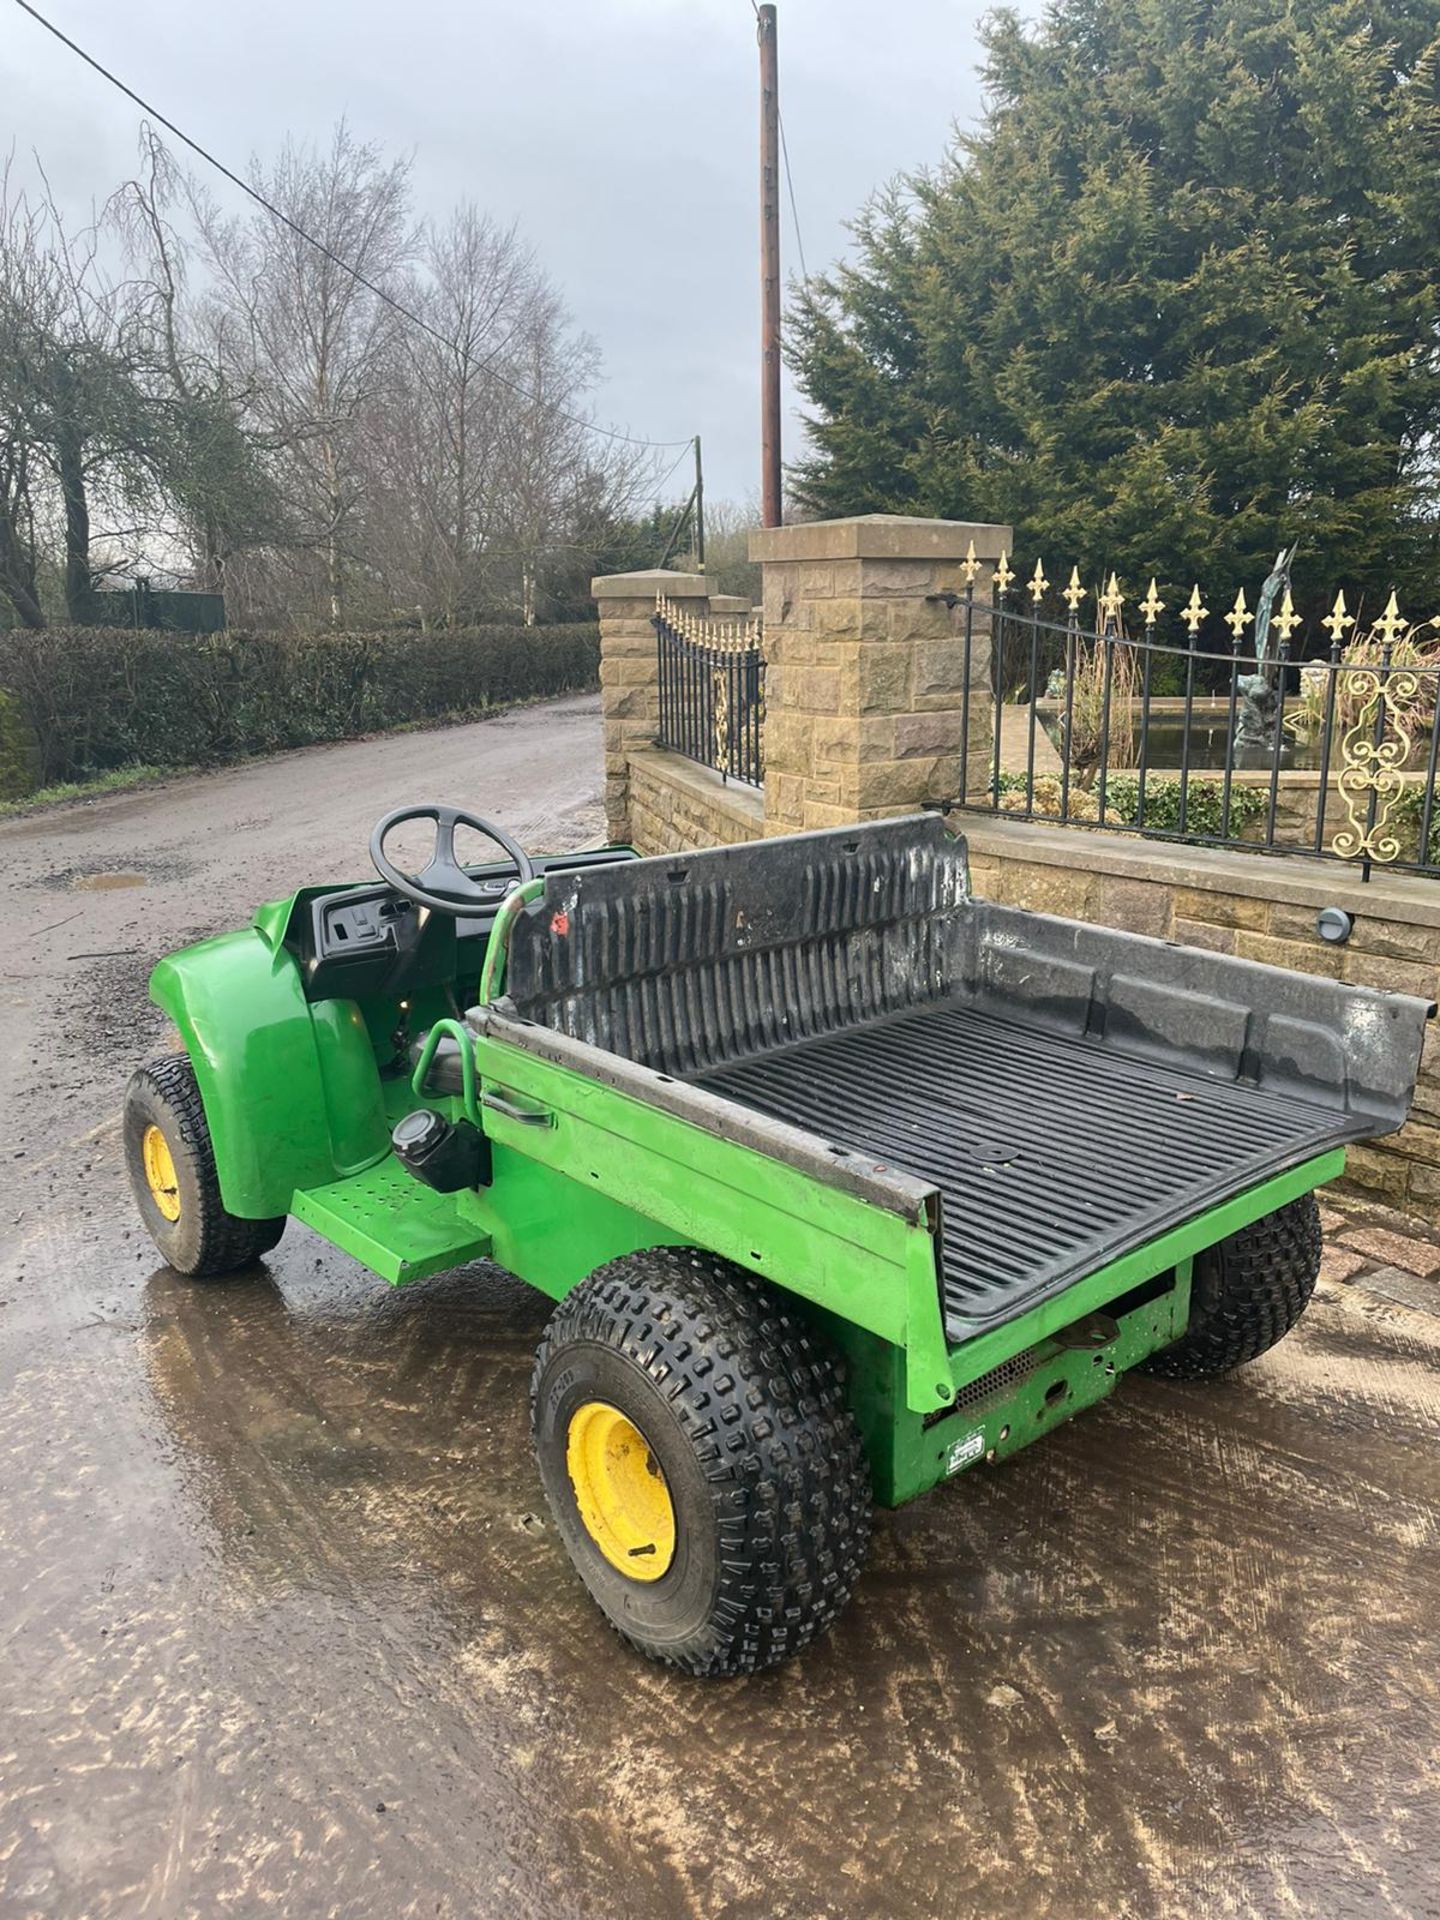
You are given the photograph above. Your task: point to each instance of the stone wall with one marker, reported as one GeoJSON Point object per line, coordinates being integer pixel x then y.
{"type": "Point", "coordinates": [630, 675]}
{"type": "Point", "coordinates": [676, 806]}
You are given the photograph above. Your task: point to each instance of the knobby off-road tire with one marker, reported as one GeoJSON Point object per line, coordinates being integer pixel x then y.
{"type": "Point", "coordinates": [183, 1212]}
{"type": "Point", "coordinates": [1246, 1293]}
{"type": "Point", "coordinates": [757, 1489]}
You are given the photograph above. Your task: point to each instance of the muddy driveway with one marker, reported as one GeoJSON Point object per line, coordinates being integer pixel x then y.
{"type": "Point", "coordinates": [283, 1628]}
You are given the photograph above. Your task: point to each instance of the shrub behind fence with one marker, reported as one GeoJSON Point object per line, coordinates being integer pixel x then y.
{"type": "Point", "coordinates": [103, 697]}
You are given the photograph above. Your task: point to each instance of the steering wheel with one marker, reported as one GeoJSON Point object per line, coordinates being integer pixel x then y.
{"type": "Point", "coordinates": [444, 885]}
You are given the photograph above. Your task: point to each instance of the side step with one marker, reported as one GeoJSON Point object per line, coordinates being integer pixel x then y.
{"type": "Point", "coordinates": [400, 1228]}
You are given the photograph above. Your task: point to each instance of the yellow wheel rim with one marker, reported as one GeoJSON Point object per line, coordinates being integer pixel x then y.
{"type": "Point", "coordinates": [620, 1491]}
{"type": "Point", "coordinates": [160, 1175]}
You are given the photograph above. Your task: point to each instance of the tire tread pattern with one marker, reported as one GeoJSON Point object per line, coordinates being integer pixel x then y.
{"type": "Point", "coordinates": [1247, 1293]}
{"type": "Point", "coordinates": [762, 1402]}
{"type": "Point", "coordinates": [224, 1242]}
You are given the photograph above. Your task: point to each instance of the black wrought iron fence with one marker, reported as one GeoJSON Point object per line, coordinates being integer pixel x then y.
{"type": "Point", "coordinates": [712, 691]}
{"type": "Point", "coordinates": [1269, 739]}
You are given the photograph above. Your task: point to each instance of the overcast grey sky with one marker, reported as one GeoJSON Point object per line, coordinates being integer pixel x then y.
{"type": "Point", "coordinates": [620, 133]}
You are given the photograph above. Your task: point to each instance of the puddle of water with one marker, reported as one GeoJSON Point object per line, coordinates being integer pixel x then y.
{"type": "Point", "coordinates": [104, 882]}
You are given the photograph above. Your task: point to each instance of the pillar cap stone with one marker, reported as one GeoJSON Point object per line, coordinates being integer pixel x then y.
{"type": "Point", "coordinates": [730, 603]}
{"type": "Point", "coordinates": [880, 536]}
{"type": "Point", "coordinates": [647, 583]}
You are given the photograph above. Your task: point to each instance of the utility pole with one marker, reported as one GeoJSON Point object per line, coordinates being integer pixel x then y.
{"type": "Point", "coordinates": [699, 508]}
{"type": "Point", "coordinates": [769, 270]}
{"type": "Point", "coordinates": [694, 506]}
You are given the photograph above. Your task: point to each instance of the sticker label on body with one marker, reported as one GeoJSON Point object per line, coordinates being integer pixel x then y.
{"type": "Point", "coordinates": [968, 1447]}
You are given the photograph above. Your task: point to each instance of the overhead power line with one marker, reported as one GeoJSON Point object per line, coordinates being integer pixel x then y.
{"type": "Point", "coordinates": [790, 189]}
{"type": "Point", "coordinates": [415, 320]}
{"type": "Point", "coordinates": [666, 477]}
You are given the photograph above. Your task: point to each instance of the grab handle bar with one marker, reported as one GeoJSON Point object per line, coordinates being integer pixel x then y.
{"type": "Point", "coordinates": [461, 1037]}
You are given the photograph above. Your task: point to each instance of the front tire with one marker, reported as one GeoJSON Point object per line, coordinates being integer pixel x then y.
{"type": "Point", "coordinates": [700, 1461]}
{"type": "Point", "coordinates": [1246, 1293]}
{"type": "Point", "coordinates": [171, 1164]}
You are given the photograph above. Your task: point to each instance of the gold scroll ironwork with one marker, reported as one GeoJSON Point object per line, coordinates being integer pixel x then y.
{"type": "Point", "coordinates": [1372, 770]}
{"type": "Point", "coordinates": [720, 704]}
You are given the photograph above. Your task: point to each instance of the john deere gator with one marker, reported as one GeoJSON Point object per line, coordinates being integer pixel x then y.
{"type": "Point", "coordinates": [844, 1181]}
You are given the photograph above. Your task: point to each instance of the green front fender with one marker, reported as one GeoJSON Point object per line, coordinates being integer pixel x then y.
{"type": "Point", "coordinates": [291, 1091]}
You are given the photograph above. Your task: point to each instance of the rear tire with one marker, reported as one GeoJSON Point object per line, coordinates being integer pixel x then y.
{"type": "Point", "coordinates": [700, 1461]}
{"type": "Point", "coordinates": [1247, 1292]}
{"type": "Point", "coordinates": [171, 1164]}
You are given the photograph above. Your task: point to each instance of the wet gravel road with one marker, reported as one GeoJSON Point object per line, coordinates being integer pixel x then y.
{"type": "Point", "coordinates": [283, 1629]}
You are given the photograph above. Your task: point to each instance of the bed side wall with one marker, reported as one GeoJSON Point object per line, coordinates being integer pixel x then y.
{"type": "Point", "coordinates": [1349, 1048]}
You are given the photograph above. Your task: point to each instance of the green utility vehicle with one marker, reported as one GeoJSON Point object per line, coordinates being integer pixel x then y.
{"type": "Point", "coordinates": [845, 1181]}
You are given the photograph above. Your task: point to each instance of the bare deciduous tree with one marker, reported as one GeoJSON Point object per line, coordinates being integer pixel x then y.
{"type": "Point", "coordinates": [544, 447]}
{"type": "Point", "coordinates": [437, 438]}
{"type": "Point", "coordinates": [222, 491]}
{"type": "Point", "coordinates": [344, 416]}
{"type": "Point", "coordinates": [303, 337]}
{"type": "Point", "coordinates": [79, 428]}
{"type": "Point", "coordinates": [25, 302]}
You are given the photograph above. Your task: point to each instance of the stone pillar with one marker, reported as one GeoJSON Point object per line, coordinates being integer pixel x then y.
{"type": "Point", "coordinates": [865, 666]}
{"type": "Point", "coordinates": [629, 673]}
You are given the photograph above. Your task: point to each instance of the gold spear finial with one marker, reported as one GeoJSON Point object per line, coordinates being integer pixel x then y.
{"type": "Point", "coordinates": [1004, 574]}
{"type": "Point", "coordinates": [1074, 593]}
{"type": "Point", "coordinates": [1238, 618]}
{"type": "Point", "coordinates": [1391, 623]}
{"type": "Point", "coordinates": [1038, 583]}
{"type": "Point", "coordinates": [1152, 606]}
{"type": "Point", "coordinates": [970, 566]}
{"type": "Point", "coordinates": [1112, 600]}
{"type": "Point", "coordinates": [1194, 611]}
{"type": "Point", "coordinates": [1286, 620]}
{"type": "Point", "coordinates": [1337, 620]}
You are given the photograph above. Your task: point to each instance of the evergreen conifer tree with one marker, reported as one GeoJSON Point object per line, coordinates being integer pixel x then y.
{"type": "Point", "coordinates": [1173, 305]}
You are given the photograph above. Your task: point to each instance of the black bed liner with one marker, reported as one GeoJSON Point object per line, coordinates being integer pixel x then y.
{"type": "Point", "coordinates": [1068, 1091]}
{"type": "Point", "coordinates": [1051, 1154]}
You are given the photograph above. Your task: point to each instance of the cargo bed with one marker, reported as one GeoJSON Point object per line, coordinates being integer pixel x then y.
{"type": "Point", "coordinates": [1051, 1154]}
{"type": "Point", "coordinates": [1055, 1094]}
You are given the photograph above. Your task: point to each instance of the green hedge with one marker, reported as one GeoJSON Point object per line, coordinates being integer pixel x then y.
{"type": "Point", "coordinates": [19, 760]}
{"type": "Point", "coordinates": [95, 698]}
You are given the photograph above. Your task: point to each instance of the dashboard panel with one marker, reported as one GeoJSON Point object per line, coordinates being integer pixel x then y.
{"type": "Point", "coordinates": [368, 939]}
